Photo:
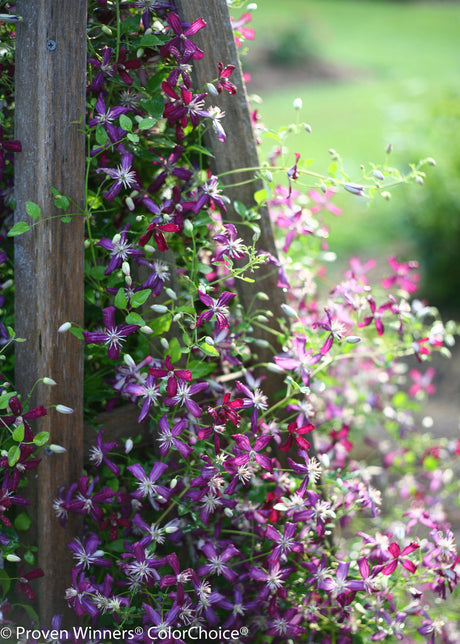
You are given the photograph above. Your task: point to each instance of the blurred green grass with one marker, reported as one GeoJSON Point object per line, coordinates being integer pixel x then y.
{"type": "Point", "coordinates": [397, 58]}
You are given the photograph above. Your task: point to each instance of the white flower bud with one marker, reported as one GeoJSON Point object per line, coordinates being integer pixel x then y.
{"type": "Point", "coordinates": [379, 175]}
{"type": "Point", "coordinates": [188, 227]}
{"type": "Point", "coordinates": [56, 449]}
{"type": "Point", "coordinates": [274, 368]}
{"type": "Point", "coordinates": [262, 296]}
{"type": "Point", "coordinates": [116, 238]}
{"type": "Point", "coordinates": [252, 6]}
{"type": "Point", "coordinates": [129, 203]}
{"type": "Point", "coordinates": [49, 381]}
{"type": "Point", "coordinates": [13, 558]}
{"type": "Point", "coordinates": [146, 330]}
{"type": "Point", "coordinates": [353, 339]}
{"type": "Point", "coordinates": [170, 293]}
{"type": "Point", "coordinates": [126, 268]}
{"type": "Point", "coordinates": [289, 310]}
{"type": "Point", "coordinates": [128, 445]}
{"type": "Point", "coordinates": [297, 104]}
{"type": "Point", "coordinates": [307, 128]}
{"type": "Point", "coordinates": [212, 90]}
{"type": "Point", "coordinates": [159, 308]}
{"type": "Point", "coordinates": [140, 52]}
{"type": "Point", "coordinates": [106, 29]}
{"type": "Point", "coordinates": [65, 327]}
{"type": "Point", "coordinates": [63, 409]}
{"type": "Point", "coordinates": [149, 249]}
{"type": "Point", "coordinates": [164, 343]}
{"type": "Point", "coordinates": [209, 340]}
{"type": "Point", "coordinates": [354, 188]}
{"type": "Point", "coordinates": [173, 483]}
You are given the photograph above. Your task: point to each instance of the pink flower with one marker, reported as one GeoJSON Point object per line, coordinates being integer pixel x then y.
{"type": "Point", "coordinates": [422, 381]}
{"type": "Point", "coordinates": [323, 201]}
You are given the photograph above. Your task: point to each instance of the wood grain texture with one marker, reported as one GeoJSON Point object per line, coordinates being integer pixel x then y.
{"type": "Point", "coordinates": [238, 151]}
{"type": "Point", "coordinates": [50, 108]}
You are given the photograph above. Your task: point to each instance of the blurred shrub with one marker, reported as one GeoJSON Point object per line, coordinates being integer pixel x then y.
{"type": "Point", "coordinates": [432, 213]}
{"type": "Point", "coordinates": [296, 45]}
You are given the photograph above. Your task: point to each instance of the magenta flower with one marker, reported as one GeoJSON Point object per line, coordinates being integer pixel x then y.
{"type": "Point", "coordinates": [339, 586]}
{"type": "Point", "coordinates": [174, 376]}
{"type": "Point", "coordinates": [113, 335]}
{"type": "Point", "coordinates": [23, 585]}
{"type": "Point", "coordinates": [398, 554]}
{"type": "Point", "coordinates": [422, 381]}
{"type": "Point", "coordinates": [249, 453]}
{"type": "Point", "coordinates": [295, 435]}
{"type": "Point", "coordinates": [336, 330]}
{"type": "Point", "coordinates": [293, 172]}
{"type": "Point", "coordinates": [104, 116]}
{"type": "Point", "coordinates": [404, 275]}
{"type": "Point", "coordinates": [218, 307]}
{"type": "Point", "coordinates": [377, 315]}
{"type": "Point", "coordinates": [224, 75]}
{"type": "Point", "coordinates": [299, 360]}
{"type": "Point", "coordinates": [241, 32]}
{"type": "Point", "coordinates": [322, 200]}
{"type": "Point", "coordinates": [181, 39]}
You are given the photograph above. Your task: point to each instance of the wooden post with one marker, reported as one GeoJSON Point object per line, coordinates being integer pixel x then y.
{"type": "Point", "coordinates": [238, 151]}
{"type": "Point", "coordinates": [50, 79]}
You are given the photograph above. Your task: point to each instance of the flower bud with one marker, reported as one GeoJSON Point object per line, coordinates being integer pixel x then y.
{"type": "Point", "coordinates": [274, 368]}
{"type": "Point", "coordinates": [126, 268]}
{"type": "Point", "coordinates": [56, 449]}
{"type": "Point", "coordinates": [386, 195]}
{"type": "Point", "coordinates": [13, 558]}
{"type": "Point", "coordinates": [63, 409]}
{"type": "Point", "coordinates": [188, 227]}
{"type": "Point", "coordinates": [159, 308]}
{"type": "Point", "coordinates": [106, 29]}
{"type": "Point", "coordinates": [65, 327]}
{"type": "Point", "coordinates": [209, 340]}
{"type": "Point", "coordinates": [252, 6]}
{"type": "Point", "coordinates": [49, 381]}
{"type": "Point", "coordinates": [289, 311]}
{"type": "Point", "coordinates": [262, 296]}
{"type": "Point", "coordinates": [419, 180]}
{"type": "Point", "coordinates": [173, 483]}
{"type": "Point", "coordinates": [164, 343]}
{"type": "Point", "coordinates": [146, 330]}
{"type": "Point", "coordinates": [116, 238]}
{"type": "Point", "coordinates": [170, 293]}
{"type": "Point", "coordinates": [307, 128]}
{"type": "Point", "coordinates": [212, 90]}
{"type": "Point", "coordinates": [297, 104]}
{"type": "Point", "coordinates": [128, 445]}
{"type": "Point", "coordinates": [353, 339]}
{"type": "Point", "coordinates": [389, 148]}
{"type": "Point", "coordinates": [140, 52]}
{"type": "Point", "coordinates": [355, 189]}
{"type": "Point", "coordinates": [149, 249]}
{"type": "Point", "coordinates": [379, 175]}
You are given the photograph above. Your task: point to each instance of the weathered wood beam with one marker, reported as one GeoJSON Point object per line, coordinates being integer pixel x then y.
{"type": "Point", "coordinates": [50, 78]}
{"type": "Point", "coordinates": [238, 151]}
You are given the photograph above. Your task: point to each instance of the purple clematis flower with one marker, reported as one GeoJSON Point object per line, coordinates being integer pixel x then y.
{"type": "Point", "coordinates": [183, 397]}
{"type": "Point", "coordinates": [123, 175]}
{"type": "Point", "coordinates": [113, 335]}
{"type": "Point", "coordinates": [250, 453]}
{"type": "Point", "coordinates": [286, 541]}
{"type": "Point", "coordinates": [168, 437]}
{"type": "Point", "coordinates": [150, 392]}
{"type": "Point", "coordinates": [217, 562]}
{"type": "Point", "coordinates": [174, 376]}
{"type": "Point", "coordinates": [99, 451]}
{"type": "Point", "coordinates": [147, 486]}
{"type": "Point", "coordinates": [120, 249]}
{"type": "Point", "coordinates": [218, 307]}
{"type": "Point", "coordinates": [87, 554]}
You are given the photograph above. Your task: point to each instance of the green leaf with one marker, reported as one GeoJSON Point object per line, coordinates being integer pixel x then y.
{"type": "Point", "coordinates": [139, 297]}
{"type": "Point", "coordinates": [126, 123]}
{"type": "Point", "coordinates": [205, 268]}
{"type": "Point", "coordinates": [147, 124]}
{"type": "Point", "coordinates": [5, 581]}
{"type": "Point", "coordinates": [121, 301]}
{"type": "Point", "coordinates": [14, 454]}
{"type": "Point", "coordinates": [174, 350]}
{"type": "Point", "coordinates": [209, 350]}
{"type": "Point", "coordinates": [201, 369]}
{"type": "Point", "coordinates": [33, 209]}
{"type": "Point", "coordinates": [5, 398]}
{"type": "Point", "coordinates": [29, 557]}
{"type": "Point", "coordinates": [240, 209]}
{"type": "Point", "coordinates": [18, 229]}
{"type": "Point", "coordinates": [66, 220]}
{"type": "Point", "coordinates": [430, 463]}
{"type": "Point", "coordinates": [150, 40]}
{"type": "Point", "coordinates": [161, 324]}
{"type": "Point", "coordinates": [93, 201]}
{"type": "Point", "coordinates": [134, 138]}
{"type": "Point", "coordinates": [260, 196]}
{"type": "Point", "coordinates": [101, 135]}
{"type": "Point", "coordinates": [41, 438]}
{"type": "Point", "coordinates": [18, 434]}
{"type": "Point", "coordinates": [135, 318]}
{"type": "Point", "coordinates": [154, 106]}
{"type": "Point", "coordinates": [61, 202]}
{"type": "Point", "coordinates": [22, 521]}
{"type": "Point", "coordinates": [78, 333]}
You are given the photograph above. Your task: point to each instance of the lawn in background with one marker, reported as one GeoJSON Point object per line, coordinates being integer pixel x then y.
{"type": "Point", "coordinates": [398, 58]}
